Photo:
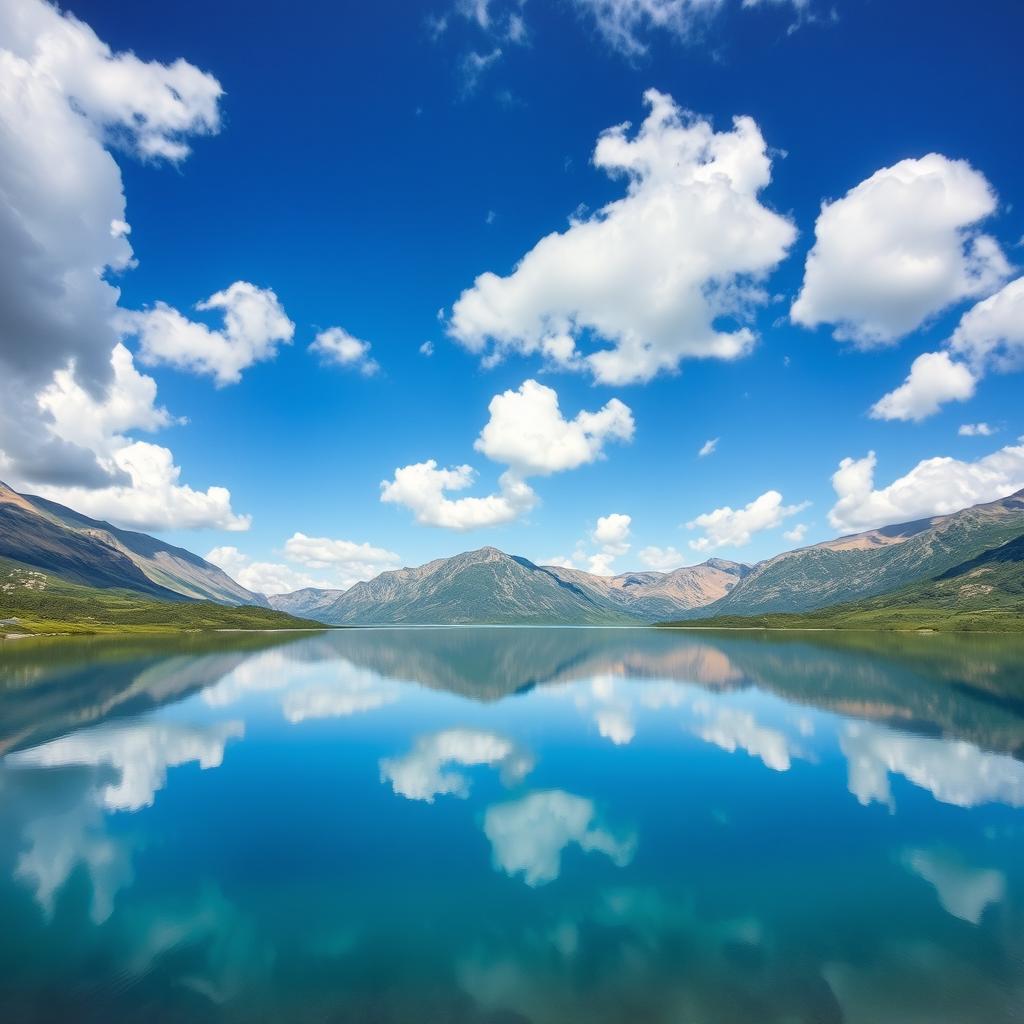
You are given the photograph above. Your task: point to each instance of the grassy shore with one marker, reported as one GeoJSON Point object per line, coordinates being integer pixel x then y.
{"type": "Point", "coordinates": [39, 603]}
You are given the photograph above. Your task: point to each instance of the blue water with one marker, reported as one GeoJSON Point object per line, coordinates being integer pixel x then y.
{"type": "Point", "coordinates": [511, 825]}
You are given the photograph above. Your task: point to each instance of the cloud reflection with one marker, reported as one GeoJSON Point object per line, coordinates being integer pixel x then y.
{"type": "Point", "coordinates": [421, 774]}
{"type": "Point", "coordinates": [953, 771]}
{"type": "Point", "coordinates": [529, 835]}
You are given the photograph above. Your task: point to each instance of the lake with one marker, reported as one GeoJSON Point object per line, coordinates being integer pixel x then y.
{"type": "Point", "coordinates": [510, 825]}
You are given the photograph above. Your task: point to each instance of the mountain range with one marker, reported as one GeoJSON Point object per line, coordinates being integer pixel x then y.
{"type": "Point", "coordinates": [968, 561]}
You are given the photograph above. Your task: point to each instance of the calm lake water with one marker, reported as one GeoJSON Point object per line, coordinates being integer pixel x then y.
{"type": "Point", "coordinates": [511, 825]}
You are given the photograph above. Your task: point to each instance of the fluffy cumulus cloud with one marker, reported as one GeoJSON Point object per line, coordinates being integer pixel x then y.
{"type": "Point", "coordinates": [729, 527]}
{"type": "Point", "coordinates": [528, 433]}
{"type": "Point", "coordinates": [935, 486]}
{"type": "Point", "coordinates": [336, 347]}
{"type": "Point", "coordinates": [976, 430]}
{"type": "Point", "coordinates": [991, 334]}
{"type": "Point", "coordinates": [254, 325]}
{"type": "Point", "coordinates": [529, 835]}
{"type": "Point", "coordinates": [611, 538]}
{"type": "Point", "coordinates": [339, 563]}
{"type": "Point", "coordinates": [989, 337]}
{"type": "Point", "coordinates": [653, 274]}
{"type": "Point", "coordinates": [934, 379]}
{"type": "Point", "coordinates": [423, 488]}
{"type": "Point", "coordinates": [69, 393]}
{"type": "Point", "coordinates": [427, 771]}
{"type": "Point", "coordinates": [661, 559]}
{"type": "Point", "coordinates": [898, 248]}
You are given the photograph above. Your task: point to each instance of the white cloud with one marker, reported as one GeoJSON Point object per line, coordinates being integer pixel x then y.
{"type": "Point", "coordinates": [528, 432]}
{"type": "Point", "coordinates": [63, 94]}
{"type": "Point", "coordinates": [732, 729]}
{"type": "Point", "coordinates": [427, 348]}
{"type": "Point", "coordinates": [611, 536]}
{"type": "Point", "coordinates": [474, 65]}
{"type": "Point", "coordinates": [422, 774]}
{"type": "Point", "coordinates": [324, 552]}
{"type": "Point", "coordinates": [797, 534]}
{"type": "Point", "coordinates": [616, 724]}
{"type": "Point", "coordinates": [652, 273]}
{"type": "Point", "coordinates": [976, 430]}
{"type": "Point", "coordinates": [963, 891]}
{"type": "Point", "coordinates": [254, 325]}
{"type": "Point", "coordinates": [728, 527]}
{"type": "Point", "coordinates": [899, 247]}
{"type": "Point", "coordinates": [935, 486]}
{"type": "Point", "coordinates": [528, 835]}
{"type": "Point", "coordinates": [422, 488]}
{"type": "Point", "coordinates": [141, 753]}
{"type": "Point", "coordinates": [954, 772]}
{"type": "Point", "coordinates": [347, 562]}
{"type": "Point", "coordinates": [335, 345]}
{"type": "Point", "coordinates": [991, 334]}
{"type": "Point", "coordinates": [934, 379]}
{"type": "Point", "coordinates": [612, 533]}
{"type": "Point", "coordinates": [264, 577]}
{"type": "Point", "coordinates": [152, 498]}
{"type": "Point", "coordinates": [661, 559]}
{"type": "Point", "coordinates": [708, 448]}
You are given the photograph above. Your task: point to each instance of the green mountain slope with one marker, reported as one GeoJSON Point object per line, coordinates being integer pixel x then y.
{"type": "Point", "coordinates": [41, 533]}
{"type": "Point", "coordinates": [33, 601]}
{"type": "Point", "coordinates": [985, 592]}
{"type": "Point", "coordinates": [872, 563]}
{"type": "Point", "coordinates": [485, 586]}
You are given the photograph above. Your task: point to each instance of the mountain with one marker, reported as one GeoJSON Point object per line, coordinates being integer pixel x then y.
{"type": "Point", "coordinates": [985, 593]}
{"type": "Point", "coordinates": [309, 601]}
{"type": "Point", "coordinates": [44, 535]}
{"type": "Point", "coordinates": [654, 595]}
{"type": "Point", "coordinates": [484, 586]}
{"type": "Point", "coordinates": [868, 564]}
{"type": "Point", "coordinates": [489, 586]}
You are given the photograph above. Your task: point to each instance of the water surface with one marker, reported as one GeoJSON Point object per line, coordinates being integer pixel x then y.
{"type": "Point", "coordinates": [512, 825]}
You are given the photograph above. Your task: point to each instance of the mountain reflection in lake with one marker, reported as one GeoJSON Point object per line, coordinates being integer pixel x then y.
{"type": "Point", "coordinates": [510, 825]}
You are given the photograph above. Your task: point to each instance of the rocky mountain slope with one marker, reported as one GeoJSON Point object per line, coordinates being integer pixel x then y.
{"type": "Point", "coordinates": [868, 564]}
{"type": "Point", "coordinates": [653, 595]}
{"type": "Point", "coordinates": [44, 535]}
{"type": "Point", "coordinates": [489, 586]}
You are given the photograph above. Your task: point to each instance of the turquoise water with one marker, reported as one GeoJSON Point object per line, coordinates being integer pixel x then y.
{"type": "Point", "coordinates": [512, 825]}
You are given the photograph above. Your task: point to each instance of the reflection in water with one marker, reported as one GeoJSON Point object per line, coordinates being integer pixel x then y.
{"type": "Point", "coordinates": [963, 891]}
{"type": "Point", "coordinates": [421, 774]}
{"type": "Point", "coordinates": [140, 753]}
{"type": "Point", "coordinates": [604, 858]}
{"type": "Point", "coordinates": [733, 729]}
{"type": "Point", "coordinates": [953, 772]}
{"type": "Point", "coordinates": [528, 835]}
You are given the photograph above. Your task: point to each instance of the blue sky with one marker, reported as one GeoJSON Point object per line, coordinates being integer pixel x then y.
{"type": "Point", "coordinates": [350, 159]}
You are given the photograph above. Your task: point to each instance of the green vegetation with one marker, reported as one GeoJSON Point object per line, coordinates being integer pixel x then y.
{"type": "Point", "coordinates": [39, 603]}
{"type": "Point", "coordinates": [985, 593]}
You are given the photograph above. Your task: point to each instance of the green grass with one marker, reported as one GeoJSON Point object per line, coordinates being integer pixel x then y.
{"type": "Point", "coordinates": [44, 604]}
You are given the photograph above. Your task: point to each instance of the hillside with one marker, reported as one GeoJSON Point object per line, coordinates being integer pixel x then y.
{"type": "Point", "coordinates": [484, 586]}
{"type": "Point", "coordinates": [308, 601]}
{"type": "Point", "coordinates": [44, 535]}
{"type": "Point", "coordinates": [984, 593]}
{"type": "Point", "coordinates": [33, 601]}
{"type": "Point", "coordinates": [869, 564]}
